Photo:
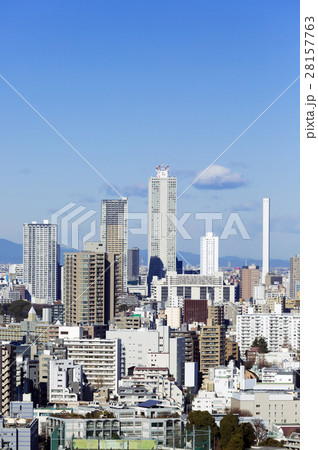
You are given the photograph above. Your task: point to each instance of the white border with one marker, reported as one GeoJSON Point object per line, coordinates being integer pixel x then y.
{"type": "Point", "coordinates": [308, 238]}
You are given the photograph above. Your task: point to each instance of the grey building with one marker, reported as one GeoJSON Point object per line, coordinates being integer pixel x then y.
{"type": "Point", "coordinates": [133, 262]}
{"type": "Point", "coordinates": [294, 275]}
{"type": "Point", "coordinates": [19, 434]}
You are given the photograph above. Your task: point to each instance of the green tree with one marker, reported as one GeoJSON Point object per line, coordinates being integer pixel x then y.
{"type": "Point", "coordinates": [261, 344]}
{"type": "Point", "coordinates": [236, 442]}
{"type": "Point", "coordinates": [248, 434]}
{"type": "Point", "coordinates": [202, 420]}
{"type": "Point", "coordinates": [229, 426]}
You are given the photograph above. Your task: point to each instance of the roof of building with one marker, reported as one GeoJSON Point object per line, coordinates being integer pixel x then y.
{"type": "Point", "coordinates": [149, 403]}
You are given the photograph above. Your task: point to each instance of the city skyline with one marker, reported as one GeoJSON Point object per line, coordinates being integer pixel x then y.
{"type": "Point", "coordinates": [187, 113]}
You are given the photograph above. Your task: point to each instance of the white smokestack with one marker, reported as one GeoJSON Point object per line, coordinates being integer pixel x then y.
{"type": "Point", "coordinates": [265, 268]}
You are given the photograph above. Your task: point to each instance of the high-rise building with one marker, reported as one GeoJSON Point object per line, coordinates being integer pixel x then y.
{"type": "Point", "coordinates": [91, 283]}
{"type": "Point", "coordinates": [114, 233]}
{"type": "Point", "coordinates": [162, 210]}
{"type": "Point", "coordinates": [7, 379]}
{"type": "Point", "coordinates": [266, 238]}
{"type": "Point", "coordinates": [40, 261]}
{"type": "Point", "coordinates": [133, 262]}
{"type": "Point", "coordinates": [212, 348]}
{"type": "Point", "coordinates": [294, 275]}
{"type": "Point", "coordinates": [209, 254]}
{"type": "Point", "coordinates": [249, 277]}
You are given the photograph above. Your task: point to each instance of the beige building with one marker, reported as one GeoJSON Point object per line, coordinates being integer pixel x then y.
{"type": "Point", "coordinates": [212, 348]}
{"type": "Point", "coordinates": [215, 314]}
{"type": "Point", "coordinates": [278, 407]}
{"type": "Point", "coordinates": [131, 322]}
{"type": "Point", "coordinates": [249, 277]}
{"type": "Point", "coordinates": [174, 317]}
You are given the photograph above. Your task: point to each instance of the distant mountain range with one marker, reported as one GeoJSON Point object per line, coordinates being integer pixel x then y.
{"type": "Point", "coordinates": [234, 261]}
{"type": "Point", "coordinates": [10, 252]}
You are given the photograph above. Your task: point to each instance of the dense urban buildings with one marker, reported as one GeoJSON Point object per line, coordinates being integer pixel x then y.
{"type": "Point", "coordinates": [129, 351]}
{"type": "Point", "coordinates": [40, 261]}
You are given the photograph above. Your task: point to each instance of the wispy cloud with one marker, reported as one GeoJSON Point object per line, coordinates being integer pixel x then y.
{"type": "Point", "coordinates": [219, 177]}
{"type": "Point", "coordinates": [246, 206]}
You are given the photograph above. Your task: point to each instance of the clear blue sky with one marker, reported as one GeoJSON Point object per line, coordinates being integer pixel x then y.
{"type": "Point", "coordinates": [133, 83]}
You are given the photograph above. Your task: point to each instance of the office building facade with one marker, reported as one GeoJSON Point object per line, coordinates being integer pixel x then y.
{"type": "Point", "coordinates": [162, 210]}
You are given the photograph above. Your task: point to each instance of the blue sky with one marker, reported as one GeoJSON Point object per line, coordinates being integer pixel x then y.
{"type": "Point", "coordinates": [133, 83]}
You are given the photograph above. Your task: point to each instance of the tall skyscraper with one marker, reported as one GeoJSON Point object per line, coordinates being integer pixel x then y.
{"type": "Point", "coordinates": [294, 275]}
{"type": "Point", "coordinates": [162, 210]}
{"type": "Point", "coordinates": [209, 254]}
{"type": "Point", "coordinates": [114, 233]}
{"type": "Point", "coordinates": [90, 281]}
{"type": "Point", "coordinates": [266, 239]}
{"type": "Point", "coordinates": [40, 261]}
{"type": "Point", "coordinates": [133, 262]}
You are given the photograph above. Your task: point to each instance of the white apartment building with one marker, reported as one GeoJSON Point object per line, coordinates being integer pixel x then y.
{"type": "Point", "coordinates": [192, 287]}
{"type": "Point", "coordinates": [191, 375]}
{"type": "Point", "coordinates": [100, 359]}
{"type": "Point", "coordinates": [278, 329]}
{"type": "Point", "coordinates": [209, 401]}
{"type": "Point", "coordinates": [209, 254]}
{"type": "Point", "coordinates": [162, 210]}
{"type": "Point", "coordinates": [137, 344]}
{"type": "Point", "coordinates": [65, 381]}
{"type": "Point", "coordinates": [40, 261]}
